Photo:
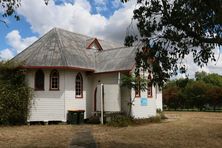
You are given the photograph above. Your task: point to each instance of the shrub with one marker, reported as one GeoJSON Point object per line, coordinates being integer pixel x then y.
{"type": "Point", "coordinates": [15, 95]}
{"type": "Point", "coordinates": [93, 120]}
{"type": "Point", "coordinates": [119, 120]}
{"type": "Point", "coordinates": [154, 119]}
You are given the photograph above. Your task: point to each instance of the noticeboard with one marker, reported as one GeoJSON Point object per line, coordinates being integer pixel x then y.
{"type": "Point", "coordinates": [143, 102]}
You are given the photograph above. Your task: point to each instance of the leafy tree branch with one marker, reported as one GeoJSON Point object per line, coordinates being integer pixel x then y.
{"type": "Point", "coordinates": [172, 30]}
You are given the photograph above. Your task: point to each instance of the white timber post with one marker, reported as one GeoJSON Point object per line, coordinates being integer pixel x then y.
{"type": "Point", "coordinates": [102, 104]}
{"type": "Point", "coordinates": [119, 78]}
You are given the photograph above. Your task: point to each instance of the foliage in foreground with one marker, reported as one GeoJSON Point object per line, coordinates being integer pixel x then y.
{"type": "Point", "coordinates": [15, 95]}
{"type": "Point", "coordinates": [171, 30]}
{"type": "Point", "coordinates": [204, 92]}
{"type": "Point", "coordinates": [121, 120]}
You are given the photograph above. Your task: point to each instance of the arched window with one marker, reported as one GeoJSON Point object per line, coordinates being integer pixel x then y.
{"type": "Point", "coordinates": [79, 86]}
{"type": "Point", "coordinates": [149, 87]}
{"type": "Point", "coordinates": [39, 80]}
{"type": "Point", "coordinates": [54, 80]}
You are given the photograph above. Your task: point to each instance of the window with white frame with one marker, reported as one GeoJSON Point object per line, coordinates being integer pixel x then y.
{"type": "Point", "coordinates": [79, 86]}
{"type": "Point", "coordinates": [54, 80]}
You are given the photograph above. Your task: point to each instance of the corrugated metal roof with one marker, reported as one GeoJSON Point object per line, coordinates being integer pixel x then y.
{"type": "Point", "coordinates": [59, 47]}
{"type": "Point", "coordinates": [115, 59]}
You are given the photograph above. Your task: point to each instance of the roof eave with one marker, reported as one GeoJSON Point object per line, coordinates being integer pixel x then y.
{"type": "Point", "coordinates": [58, 67]}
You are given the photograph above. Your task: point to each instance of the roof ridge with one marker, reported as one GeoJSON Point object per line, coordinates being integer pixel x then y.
{"type": "Point", "coordinates": [60, 45]}
{"type": "Point", "coordinates": [90, 37]}
{"type": "Point", "coordinates": [33, 43]}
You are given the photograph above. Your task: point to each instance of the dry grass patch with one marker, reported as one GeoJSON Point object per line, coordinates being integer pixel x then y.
{"type": "Point", "coordinates": [183, 129]}
{"type": "Point", "coordinates": [37, 135]}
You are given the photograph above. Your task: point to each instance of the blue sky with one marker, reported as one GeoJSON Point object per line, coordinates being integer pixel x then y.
{"type": "Point", "coordinates": [105, 19]}
{"type": "Point", "coordinates": [22, 26]}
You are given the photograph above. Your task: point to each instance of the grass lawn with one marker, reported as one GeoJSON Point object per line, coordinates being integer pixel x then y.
{"type": "Point", "coordinates": [183, 129]}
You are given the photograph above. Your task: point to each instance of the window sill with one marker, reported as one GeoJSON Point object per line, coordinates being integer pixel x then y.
{"type": "Point", "coordinates": [53, 89]}
{"type": "Point", "coordinates": [79, 97]}
{"type": "Point", "coordinates": [39, 89]}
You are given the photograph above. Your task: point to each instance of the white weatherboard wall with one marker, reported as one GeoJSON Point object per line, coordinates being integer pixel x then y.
{"type": "Point", "coordinates": [139, 111]}
{"type": "Point", "coordinates": [111, 98]}
{"type": "Point", "coordinates": [54, 105]}
{"type": "Point", "coordinates": [71, 102]}
{"type": "Point", "coordinates": [159, 100]}
{"type": "Point", "coordinates": [47, 105]}
{"type": "Point", "coordinates": [111, 91]}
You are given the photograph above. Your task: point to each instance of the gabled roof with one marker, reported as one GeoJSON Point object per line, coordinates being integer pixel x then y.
{"type": "Point", "coordinates": [96, 43]}
{"type": "Point", "coordinates": [117, 59]}
{"type": "Point", "coordinates": [61, 48]}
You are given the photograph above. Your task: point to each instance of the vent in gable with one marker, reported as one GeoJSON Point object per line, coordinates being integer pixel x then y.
{"type": "Point", "coordinates": [93, 44]}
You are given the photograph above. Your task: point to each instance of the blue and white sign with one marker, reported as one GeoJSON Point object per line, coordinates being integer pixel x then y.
{"type": "Point", "coordinates": [143, 102]}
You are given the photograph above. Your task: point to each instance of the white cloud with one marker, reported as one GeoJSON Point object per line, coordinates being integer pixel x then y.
{"type": "Point", "coordinates": [212, 67]}
{"type": "Point", "coordinates": [18, 43]}
{"type": "Point", "coordinates": [74, 17]}
{"type": "Point", "coordinates": [77, 17]}
{"type": "Point", "coordinates": [115, 28]}
{"type": "Point", "coordinates": [6, 54]}
{"type": "Point", "coordinates": [100, 9]}
{"type": "Point", "coordinates": [101, 5]}
{"type": "Point", "coordinates": [83, 4]}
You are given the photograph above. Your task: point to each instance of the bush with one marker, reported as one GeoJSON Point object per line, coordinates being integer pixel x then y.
{"type": "Point", "coordinates": [15, 95]}
{"type": "Point", "coordinates": [93, 120]}
{"type": "Point", "coordinates": [119, 120]}
{"type": "Point", "coordinates": [154, 119]}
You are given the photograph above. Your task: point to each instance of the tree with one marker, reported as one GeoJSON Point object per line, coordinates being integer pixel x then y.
{"type": "Point", "coordinates": [213, 80]}
{"type": "Point", "coordinates": [214, 95]}
{"type": "Point", "coordinates": [173, 93]}
{"type": "Point", "coordinates": [133, 82]}
{"type": "Point", "coordinates": [170, 30]}
{"type": "Point", "coordinates": [171, 96]}
{"type": "Point", "coordinates": [196, 94]}
{"type": "Point", "coordinates": [200, 75]}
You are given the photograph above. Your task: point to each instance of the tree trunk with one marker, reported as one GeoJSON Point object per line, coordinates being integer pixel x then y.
{"type": "Point", "coordinates": [214, 108]}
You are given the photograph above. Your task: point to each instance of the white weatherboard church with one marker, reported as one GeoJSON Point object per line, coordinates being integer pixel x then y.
{"type": "Point", "coordinates": [65, 70]}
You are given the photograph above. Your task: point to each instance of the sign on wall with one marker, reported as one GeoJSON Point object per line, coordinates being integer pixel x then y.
{"type": "Point", "coordinates": [143, 102]}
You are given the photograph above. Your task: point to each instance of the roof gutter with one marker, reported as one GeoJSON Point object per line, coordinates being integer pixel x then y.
{"type": "Point", "coordinates": [57, 67]}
